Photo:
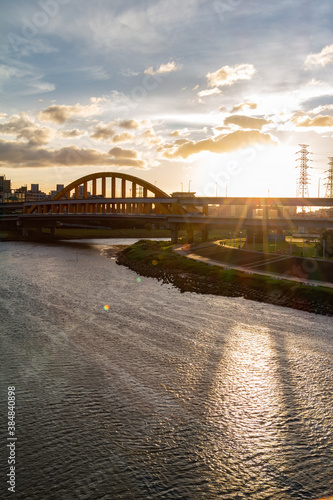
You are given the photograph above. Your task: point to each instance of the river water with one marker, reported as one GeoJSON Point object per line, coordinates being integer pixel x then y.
{"type": "Point", "coordinates": [163, 396]}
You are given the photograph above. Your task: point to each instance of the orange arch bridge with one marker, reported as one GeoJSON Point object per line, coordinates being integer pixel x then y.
{"type": "Point", "coordinates": [108, 192]}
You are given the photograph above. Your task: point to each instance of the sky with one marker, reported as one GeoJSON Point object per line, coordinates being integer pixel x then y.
{"type": "Point", "coordinates": [212, 96]}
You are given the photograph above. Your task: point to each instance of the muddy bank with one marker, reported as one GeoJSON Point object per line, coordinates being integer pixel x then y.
{"type": "Point", "coordinates": [318, 302]}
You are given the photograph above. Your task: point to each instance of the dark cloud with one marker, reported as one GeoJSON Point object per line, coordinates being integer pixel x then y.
{"type": "Point", "coordinates": [19, 155]}
{"type": "Point", "coordinates": [22, 127]}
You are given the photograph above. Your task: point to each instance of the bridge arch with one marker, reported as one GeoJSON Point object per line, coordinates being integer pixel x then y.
{"type": "Point", "coordinates": [135, 181]}
{"type": "Point", "coordinates": [108, 192]}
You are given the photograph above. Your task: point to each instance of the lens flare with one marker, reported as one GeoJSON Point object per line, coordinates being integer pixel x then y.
{"type": "Point", "coordinates": [106, 307]}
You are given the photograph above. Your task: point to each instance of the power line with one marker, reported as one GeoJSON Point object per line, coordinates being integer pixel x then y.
{"type": "Point", "coordinates": [329, 179]}
{"type": "Point", "coordinates": [304, 178]}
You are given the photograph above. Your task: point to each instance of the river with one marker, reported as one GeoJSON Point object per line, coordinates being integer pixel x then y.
{"type": "Point", "coordinates": [162, 396]}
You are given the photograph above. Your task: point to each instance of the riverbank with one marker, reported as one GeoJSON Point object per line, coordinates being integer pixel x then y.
{"type": "Point", "coordinates": [156, 259]}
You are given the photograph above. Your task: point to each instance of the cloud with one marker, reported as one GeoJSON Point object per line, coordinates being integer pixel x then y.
{"type": "Point", "coordinates": [320, 59]}
{"type": "Point", "coordinates": [150, 138]}
{"type": "Point", "coordinates": [72, 133]}
{"type": "Point", "coordinates": [129, 72]}
{"type": "Point", "coordinates": [222, 144]}
{"type": "Point", "coordinates": [103, 132]}
{"type": "Point", "coordinates": [250, 105]}
{"type": "Point", "coordinates": [123, 153]}
{"type": "Point", "coordinates": [22, 127]}
{"type": "Point", "coordinates": [19, 155]}
{"type": "Point", "coordinates": [125, 137]}
{"type": "Point", "coordinates": [208, 92]}
{"type": "Point", "coordinates": [177, 133]}
{"type": "Point", "coordinates": [321, 108]}
{"type": "Point", "coordinates": [164, 68]}
{"type": "Point", "coordinates": [129, 124]}
{"type": "Point", "coordinates": [228, 75]}
{"type": "Point", "coordinates": [318, 121]}
{"type": "Point", "coordinates": [27, 46]}
{"type": "Point", "coordinates": [23, 74]}
{"type": "Point", "coordinates": [59, 114]}
{"type": "Point", "coordinates": [246, 121]}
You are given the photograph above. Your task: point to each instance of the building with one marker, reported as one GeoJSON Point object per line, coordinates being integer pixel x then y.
{"type": "Point", "coordinates": [34, 194]}
{"type": "Point", "coordinates": [21, 194]}
{"type": "Point", "coordinates": [5, 188]}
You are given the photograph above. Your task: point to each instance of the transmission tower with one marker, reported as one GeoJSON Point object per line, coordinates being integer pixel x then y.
{"type": "Point", "coordinates": [329, 179]}
{"type": "Point", "coordinates": [303, 179]}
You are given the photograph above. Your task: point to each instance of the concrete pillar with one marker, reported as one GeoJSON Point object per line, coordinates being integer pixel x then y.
{"type": "Point", "coordinates": [104, 186]}
{"type": "Point", "coordinates": [94, 188]}
{"type": "Point", "coordinates": [190, 233]}
{"type": "Point", "coordinates": [249, 212]}
{"type": "Point", "coordinates": [174, 233]}
{"type": "Point", "coordinates": [205, 233]}
{"type": "Point", "coordinates": [175, 208]}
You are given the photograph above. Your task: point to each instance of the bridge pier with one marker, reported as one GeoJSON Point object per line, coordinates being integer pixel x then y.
{"type": "Point", "coordinates": [190, 233]}
{"type": "Point", "coordinates": [205, 233]}
{"type": "Point", "coordinates": [174, 233]}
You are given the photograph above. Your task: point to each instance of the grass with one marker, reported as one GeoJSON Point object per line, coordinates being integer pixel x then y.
{"type": "Point", "coordinates": [156, 253]}
{"type": "Point", "coordinates": [281, 246]}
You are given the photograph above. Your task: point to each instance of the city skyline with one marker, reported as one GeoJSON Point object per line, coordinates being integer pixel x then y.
{"type": "Point", "coordinates": [217, 94]}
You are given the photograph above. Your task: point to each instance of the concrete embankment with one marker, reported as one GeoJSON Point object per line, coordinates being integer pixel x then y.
{"type": "Point", "coordinates": [252, 288]}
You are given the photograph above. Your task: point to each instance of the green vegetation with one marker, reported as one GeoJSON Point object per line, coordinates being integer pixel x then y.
{"type": "Point", "coordinates": [159, 254]}
{"type": "Point", "coordinates": [283, 247]}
